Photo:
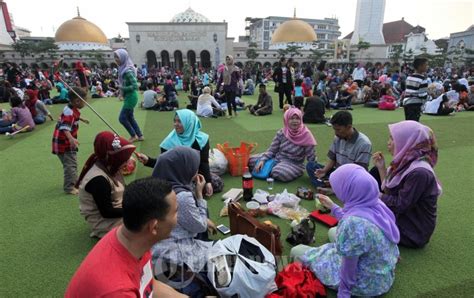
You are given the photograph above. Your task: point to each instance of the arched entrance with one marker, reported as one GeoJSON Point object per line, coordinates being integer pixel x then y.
{"type": "Point", "coordinates": [151, 59]}
{"type": "Point", "coordinates": [165, 58]}
{"type": "Point", "coordinates": [267, 65]}
{"type": "Point", "coordinates": [205, 59]}
{"type": "Point", "coordinates": [178, 59]}
{"type": "Point", "coordinates": [191, 57]}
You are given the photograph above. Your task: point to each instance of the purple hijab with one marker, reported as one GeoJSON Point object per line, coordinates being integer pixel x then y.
{"type": "Point", "coordinates": [415, 146]}
{"type": "Point", "coordinates": [359, 192]}
{"type": "Point", "coordinates": [126, 64]}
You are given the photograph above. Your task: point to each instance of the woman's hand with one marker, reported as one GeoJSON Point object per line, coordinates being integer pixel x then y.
{"type": "Point", "coordinates": [320, 173]}
{"type": "Point", "coordinates": [378, 160]}
{"type": "Point", "coordinates": [259, 166]}
{"type": "Point", "coordinates": [200, 183]}
{"type": "Point", "coordinates": [211, 227]}
{"type": "Point", "coordinates": [142, 158]}
{"type": "Point", "coordinates": [325, 201]}
{"type": "Point", "coordinates": [209, 189]}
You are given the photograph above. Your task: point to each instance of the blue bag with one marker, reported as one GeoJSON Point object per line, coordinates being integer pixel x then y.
{"type": "Point", "coordinates": [265, 171]}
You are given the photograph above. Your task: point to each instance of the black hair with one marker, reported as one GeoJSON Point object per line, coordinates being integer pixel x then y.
{"type": "Point", "coordinates": [282, 59]}
{"type": "Point", "coordinates": [262, 85]}
{"type": "Point", "coordinates": [80, 91]}
{"type": "Point", "coordinates": [419, 62]}
{"type": "Point", "coordinates": [15, 101]}
{"type": "Point", "coordinates": [298, 82]}
{"type": "Point", "coordinates": [342, 118]}
{"type": "Point", "coordinates": [149, 85]}
{"type": "Point", "coordinates": [143, 200]}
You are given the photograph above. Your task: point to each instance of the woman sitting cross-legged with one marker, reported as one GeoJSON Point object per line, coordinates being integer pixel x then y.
{"type": "Point", "coordinates": [205, 104]}
{"type": "Point", "coordinates": [291, 145]}
{"type": "Point", "coordinates": [101, 184]}
{"type": "Point", "coordinates": [361, 261]}
{"type": "Point", "coordinates": [179, 166]}
{"type": "Point", "coordinates": [409, 185]}
{"type": "Point", "coordinates": [187, 132]}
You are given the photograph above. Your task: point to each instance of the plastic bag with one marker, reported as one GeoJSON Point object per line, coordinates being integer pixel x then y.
{"type": "Point", "coordinates": [249, 268]}
{"type": "Point", "coordinates": [297, 213]}
{"type": "Point", "coordinates": [217, 162]}
{"type": "Point", "coordinates": [287, 199]}
{"type": "Point", "coordinates": [261, 196]}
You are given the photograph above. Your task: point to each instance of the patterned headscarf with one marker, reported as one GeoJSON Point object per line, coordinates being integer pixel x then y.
{"type": "Point", "coordinates": [302, 136]}
{"type": "Point", "coordinates": [413, 142]}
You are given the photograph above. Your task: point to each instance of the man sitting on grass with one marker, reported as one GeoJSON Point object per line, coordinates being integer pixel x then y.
{"type": "Point", "coordinates": [264, 104]}
{"type": "Point", "coordinates": [119, 264]}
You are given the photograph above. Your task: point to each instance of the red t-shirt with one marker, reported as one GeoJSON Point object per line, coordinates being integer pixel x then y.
{"type": "Point", "coordinates": [109, 270]}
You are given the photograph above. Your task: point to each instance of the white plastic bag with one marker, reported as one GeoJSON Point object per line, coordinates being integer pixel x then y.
{"type": "Point", "coordinates": [243, 281]}
{"type": "Point", "coordinates": [287, 199]}
{"type": "Point", "coordinates": [217, 162]}
{"type": "Point", "coordinates": [260, 196]}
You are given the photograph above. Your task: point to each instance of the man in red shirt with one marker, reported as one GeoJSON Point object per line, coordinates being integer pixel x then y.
{"type": "Point", "coordinates": [119, 264]}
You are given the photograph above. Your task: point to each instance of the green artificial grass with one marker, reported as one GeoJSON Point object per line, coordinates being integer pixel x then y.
{"type": "Point", "coordinates": [44, 238]}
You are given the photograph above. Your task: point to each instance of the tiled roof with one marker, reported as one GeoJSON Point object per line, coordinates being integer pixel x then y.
{"type": "Point", "coordinates": [393, 32]}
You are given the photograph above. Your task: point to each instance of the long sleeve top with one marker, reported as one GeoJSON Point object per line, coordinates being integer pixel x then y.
{"type": "Point", "coordinates": [203, 165]}
{"type": "Point", "coordinates": [414, 203]}
{"type": "Point", "coordinates": [204, 105]}
{"type": "Point", "coordinates": [129, 90]}
{"type": "Point", "coordinates": [283, 149]}
{"type": "Point", "coordinates": [99, 188]}
{"type": "Point", "coordinates": [264, 104]}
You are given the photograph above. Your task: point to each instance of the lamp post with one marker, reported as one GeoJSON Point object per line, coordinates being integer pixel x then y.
{"type": "Point", "coordinates": [217, 52]}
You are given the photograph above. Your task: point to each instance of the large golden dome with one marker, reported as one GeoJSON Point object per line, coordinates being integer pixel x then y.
{"type": "Point", "coordinates": [81, 30]}
{"type": "Point", "coordinates": [294, 31]}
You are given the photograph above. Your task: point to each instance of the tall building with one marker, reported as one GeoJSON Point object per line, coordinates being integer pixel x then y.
{"type": "Point", "coordinates": [369, 22]}
{"type": "Point", "coordinates": [260, 31]}
{"type": "Point", "coordinates": [7, 32]}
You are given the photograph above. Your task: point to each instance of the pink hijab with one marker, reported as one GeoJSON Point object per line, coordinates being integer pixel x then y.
{"type": "Point", "coordinates": [415, 146]}
{"type": "Point", "coordinates": [301, 136]}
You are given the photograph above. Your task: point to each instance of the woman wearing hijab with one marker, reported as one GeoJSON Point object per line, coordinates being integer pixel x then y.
{"type": "Point", "coordinates": [361, 261]}
{"type": "Point", "coordinates": [187, 132]}
{"type": "Point", "coordinates": [179, 166]}
{"type": "Point", "coordinates": [101, 183]}
{"type": "Point", "coordinates": [230, 78]}
{"type": "Point", "coordinates": [127, 75]}
{"type": "Point", "coordinates": [37, 108]}
{"type": "Point", "coordinates": [410, 187]}
{"type": "Point", "coordinates": [291, 145]}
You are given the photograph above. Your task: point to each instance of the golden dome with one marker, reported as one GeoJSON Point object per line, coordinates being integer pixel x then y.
{"type": "Point", "coordinates": [79, 29]}
{"type": "Point", "coordinates": [294, 31]}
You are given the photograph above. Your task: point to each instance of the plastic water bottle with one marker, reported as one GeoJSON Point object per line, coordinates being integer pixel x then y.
{"type": "Point", "coordinates": [247, 184]}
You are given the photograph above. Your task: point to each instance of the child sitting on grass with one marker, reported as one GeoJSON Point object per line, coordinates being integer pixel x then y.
{"type": "Point", "coordinates": [65, 141]}
{"type": "Point", "coordinates": [18, 118]}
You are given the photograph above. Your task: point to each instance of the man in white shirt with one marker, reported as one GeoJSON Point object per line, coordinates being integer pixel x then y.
{"type": "Point", "coordinates": [359, 74]}
{"type": "Point", "coordinates": [150, 98]}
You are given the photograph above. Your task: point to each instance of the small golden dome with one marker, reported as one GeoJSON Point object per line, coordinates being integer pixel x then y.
{"type": "Point", "coordinates": [79, 29]}
{"type": "Point", "coordinates": [294, 31]}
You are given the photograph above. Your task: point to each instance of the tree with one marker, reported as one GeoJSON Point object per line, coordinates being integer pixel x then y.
{"type": "Point", "coordinates": [282, 52]}
{"type": "Point", "coordinates": [362, 46]}
{"type": "Point", "coordinates": [316, 55]}
{"type": "Point", "coordinates": [396, 53]}
{"type": "Point", "coordinates": [408, 56]}
{"type": "Point", "coordinates": [251, 52]}
{"type": "Point", "coordinates": [46, 46]}
{"type": "Point", "coordinates": [23, 47]}
{"type": "Point", "coordinates": [293, 50]}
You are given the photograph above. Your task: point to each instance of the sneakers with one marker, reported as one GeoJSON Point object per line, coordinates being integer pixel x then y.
{"type": "Point", "coordinates": [141, 139]}
{"type": "Point", "coordinates": [133, 139]}
{"type": "Point", "coordinates": [73, 191]}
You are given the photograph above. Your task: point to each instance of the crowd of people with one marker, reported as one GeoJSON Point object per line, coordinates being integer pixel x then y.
{"type": "Point", "coordinates": [164, 218]}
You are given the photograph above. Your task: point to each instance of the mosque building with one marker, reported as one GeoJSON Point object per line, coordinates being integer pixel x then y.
{"type": "Point", "coordinates": [189, 37]}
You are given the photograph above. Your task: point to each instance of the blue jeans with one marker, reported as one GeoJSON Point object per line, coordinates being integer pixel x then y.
{"type": "Point", "coordinates": [128, 120]}
{"type": "Point", "coordinates": [6, 126]}
{"type": "Point", "coordinates": [39, 119]}
{"type": "Point", "coordinates": [310, 168]}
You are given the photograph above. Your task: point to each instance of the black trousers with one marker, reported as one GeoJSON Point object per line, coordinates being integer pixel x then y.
{"type": "Point", "coordinates": [412, 111]}
{"type": "Point", "coordinates": [230, 99]}
{"type": "Point", "coordinates": [285, 90]}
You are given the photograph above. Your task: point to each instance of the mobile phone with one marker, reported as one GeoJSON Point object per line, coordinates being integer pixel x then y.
{"type": "Point", "coordinates": [223, 229]}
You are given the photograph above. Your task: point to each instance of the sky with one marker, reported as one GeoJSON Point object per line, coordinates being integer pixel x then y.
{"type": "Point", "coordinates": [439, 17]}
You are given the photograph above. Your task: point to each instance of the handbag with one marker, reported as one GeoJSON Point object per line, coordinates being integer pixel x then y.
{"type": "Point", "coordinates": [242, 223]}
{"type": "Point", "coordinates": [265, 171]}
{"type": "Point", "coordinates": [303, 233]}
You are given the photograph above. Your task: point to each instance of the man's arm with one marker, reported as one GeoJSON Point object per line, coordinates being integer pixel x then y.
{"type": "Point", "coordinates": [162, 290]}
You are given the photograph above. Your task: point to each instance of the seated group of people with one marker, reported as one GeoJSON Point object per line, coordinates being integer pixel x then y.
{"type": "Point", "coordinates": [167, 214]}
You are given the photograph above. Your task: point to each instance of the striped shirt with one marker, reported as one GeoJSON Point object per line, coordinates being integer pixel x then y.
{"type": "Point", "coordinates": [416, 89]}
{"type": "Point", "coordinates": [358, 150]}
{"type": "Point", "coordinates": [69, 121]}
{"type": "Point", "coordinates": [282, 149]}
